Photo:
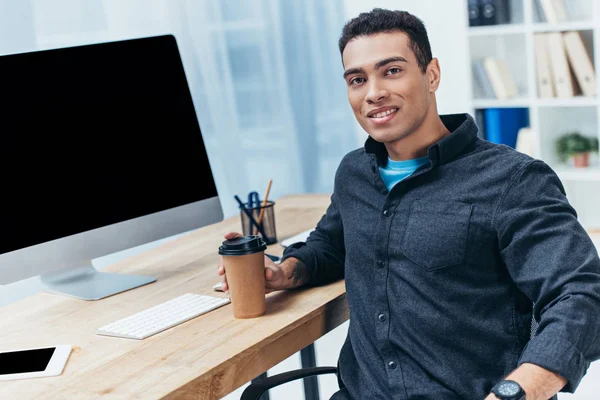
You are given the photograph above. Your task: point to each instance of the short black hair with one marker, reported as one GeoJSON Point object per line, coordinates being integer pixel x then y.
{"type": "Point", "coordinates": [380, 20]}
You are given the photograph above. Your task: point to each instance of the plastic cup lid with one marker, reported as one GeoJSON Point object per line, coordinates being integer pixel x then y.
{"type": "Point", "coordinates": [242, 246]}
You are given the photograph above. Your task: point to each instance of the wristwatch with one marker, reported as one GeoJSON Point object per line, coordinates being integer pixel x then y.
{"type": "Point", "coordinates": [508, 390]}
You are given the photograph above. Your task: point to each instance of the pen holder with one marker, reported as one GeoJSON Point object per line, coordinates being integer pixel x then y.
{"type": "Point", "coordinates": [267, 224]}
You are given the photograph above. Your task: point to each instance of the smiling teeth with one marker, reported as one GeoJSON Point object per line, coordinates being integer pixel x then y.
{"type": "Point", "coordinates": [383, 114]}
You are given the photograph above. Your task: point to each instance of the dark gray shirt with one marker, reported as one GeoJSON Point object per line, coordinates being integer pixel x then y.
{"type": "Point", "coordinates": [441, 272]}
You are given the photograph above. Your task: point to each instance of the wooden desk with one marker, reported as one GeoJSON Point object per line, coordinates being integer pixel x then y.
{"type": "Point", "coordinates": [205, 358]}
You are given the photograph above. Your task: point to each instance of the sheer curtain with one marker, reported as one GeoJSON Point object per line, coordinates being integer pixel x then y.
{"type": "Point", "coordinates": [266, 79]}
{"type": "Point", "coordinates": [265, 76]}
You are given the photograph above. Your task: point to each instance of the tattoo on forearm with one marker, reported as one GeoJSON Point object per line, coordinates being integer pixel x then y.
{"type": "Point", "coordinates": [299, 274]}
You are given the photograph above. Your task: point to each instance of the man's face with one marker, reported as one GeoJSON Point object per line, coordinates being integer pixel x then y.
{"type": "Point", "coordinates": [388, 93]}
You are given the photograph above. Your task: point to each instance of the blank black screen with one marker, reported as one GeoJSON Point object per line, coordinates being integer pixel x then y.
{"type": "Point", "coordinates": [18, 362]}
{"type": "Point", "coordinates": [93, 135]}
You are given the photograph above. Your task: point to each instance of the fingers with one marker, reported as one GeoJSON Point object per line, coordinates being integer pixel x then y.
{"type": "Point", "coordinates": [232, 235]}
{"type": "Point", "coordinates": [269, 274]}
{"type": "Point", "coordinates": [221, 272]}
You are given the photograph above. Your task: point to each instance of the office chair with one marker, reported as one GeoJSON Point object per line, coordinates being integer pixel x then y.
{"type": "Point", "coordinates": [260, 386]}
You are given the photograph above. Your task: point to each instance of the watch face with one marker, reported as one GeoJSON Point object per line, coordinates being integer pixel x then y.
{"type": "Point", "coordinates": [508, 389]}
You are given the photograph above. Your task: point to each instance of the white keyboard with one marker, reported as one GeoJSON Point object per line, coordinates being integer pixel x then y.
{"type": "Point", "coordinates": [300, 237]}
{"type": "Point", "coordinates": [162, 316]}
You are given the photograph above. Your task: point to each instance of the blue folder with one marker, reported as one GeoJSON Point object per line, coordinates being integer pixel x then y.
{"type": "Point", "coordinates": [502, 124]}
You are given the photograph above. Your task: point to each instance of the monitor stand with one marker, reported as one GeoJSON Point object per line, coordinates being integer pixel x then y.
{"type": "Point", "coordinates": [87, 283]}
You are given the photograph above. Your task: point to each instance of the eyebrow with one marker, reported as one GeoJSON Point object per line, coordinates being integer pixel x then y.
{"type": "Point", "coordinates": [378, 65]}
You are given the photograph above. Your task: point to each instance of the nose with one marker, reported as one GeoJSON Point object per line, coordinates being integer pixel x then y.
{"type": "Point", "coordinates": [376, 93]}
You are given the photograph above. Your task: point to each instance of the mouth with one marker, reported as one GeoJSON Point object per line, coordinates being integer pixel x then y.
{"type": "Point", "coordinates": [382, 116]}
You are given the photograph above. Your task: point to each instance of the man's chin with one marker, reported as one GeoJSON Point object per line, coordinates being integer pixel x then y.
{"type": "Point", "coordinates": [385, 137]}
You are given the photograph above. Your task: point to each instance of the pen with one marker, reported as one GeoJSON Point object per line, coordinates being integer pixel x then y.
{"type": "Point", "coordinates": [249, 214]}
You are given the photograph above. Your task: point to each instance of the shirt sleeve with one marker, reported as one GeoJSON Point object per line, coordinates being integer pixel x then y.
{"type": "Point", "coordinates": [553, 261]}
{"type": "Point", "coordinates": [323, 253]}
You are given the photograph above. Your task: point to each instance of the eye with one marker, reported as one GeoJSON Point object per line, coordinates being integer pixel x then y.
{"type": "Point", "coordinates": [357, 81]}
{"type": "Point", "coordinates": [393, 70]}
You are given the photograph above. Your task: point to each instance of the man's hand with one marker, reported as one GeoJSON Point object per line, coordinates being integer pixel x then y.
{"type": "Point", "coordinates": [289, 274]}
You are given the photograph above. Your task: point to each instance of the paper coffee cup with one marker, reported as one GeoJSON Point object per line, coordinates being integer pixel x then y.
{"type": "Point", "coordinates": [244, 262]}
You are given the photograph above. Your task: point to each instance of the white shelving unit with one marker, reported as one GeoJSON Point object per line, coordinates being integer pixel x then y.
{"type": "Point", "coordinates": [549, 118]}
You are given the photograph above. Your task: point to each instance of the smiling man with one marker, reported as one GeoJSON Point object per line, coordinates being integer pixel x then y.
{"type": "Point", "coordinates": [449, 245]}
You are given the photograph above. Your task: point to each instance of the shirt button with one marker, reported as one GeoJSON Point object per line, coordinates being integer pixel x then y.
{"type": "Point", "coordinates": [381, 317]}
{"type": "Point", "coordinates": [380, 263]}
{"type": "Point", "coordinates": [386, 213]}
{"type": "Point", "coordinates": [392, 364]}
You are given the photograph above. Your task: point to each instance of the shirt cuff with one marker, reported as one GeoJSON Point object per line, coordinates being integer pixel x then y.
{"type": "Point", "coordinates": [556, 355]}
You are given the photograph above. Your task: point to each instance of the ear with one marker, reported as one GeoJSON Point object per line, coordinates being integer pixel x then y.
{"type": "Point", "coordinates": [433, 74]}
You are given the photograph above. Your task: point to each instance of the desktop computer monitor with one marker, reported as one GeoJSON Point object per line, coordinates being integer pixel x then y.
{"type": "Point", "coordinates": [100, 151]}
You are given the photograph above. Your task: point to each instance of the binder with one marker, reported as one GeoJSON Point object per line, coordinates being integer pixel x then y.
{"type": "Point", "coordinates": [551, 14]}
{"type": "Point", "coordinates": [488, 11]}
{"type": "Point", "coordinates": [580, 62]}
{"type": "Point", "coordinates": [543, 74]}
{"type": "Point", "coordinates": [494, 12]}
{"type": "Point", "coordinates": [503, 11]}
{"type": "Point", "coordinates": [474, 12]}
{"type": "Point", "coordinates": [560, 10]}
{"type": "Point", "coordinates": [525, 141]}
{"type": "Point", "coordinates": [561, 73]}
{"type": "Point", "coordinates": [502, 125]}
{"type": "Point", "coordinates": [482, 80]}
{"type": "Point", "coordinates": [480, 121]}
{"type": "Point", "coordinates": [500, 77]}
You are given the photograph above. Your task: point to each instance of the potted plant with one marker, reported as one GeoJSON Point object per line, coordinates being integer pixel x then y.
{"type": "Point", "coordinates": [576, 146]}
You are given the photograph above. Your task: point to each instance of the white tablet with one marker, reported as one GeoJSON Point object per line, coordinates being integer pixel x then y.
{"type": "Point", "coordinates": [33, 362]}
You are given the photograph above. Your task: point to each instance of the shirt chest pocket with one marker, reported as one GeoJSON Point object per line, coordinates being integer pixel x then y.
{"type": "Point", "coordinates": [436, 234]}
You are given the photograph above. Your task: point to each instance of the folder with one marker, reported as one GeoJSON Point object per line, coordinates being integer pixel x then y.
{"type": "Point", "coordinates": [543, 74]}
{"type": "Point", "coordinates": [500, 77]}
{"type": "Point", "coordinates": [554, 11]}
{"type": "Point", "coordinates": [482, 80]}
{"type": "Point", "coordinates": [561, 73]}
{"type": "Point", "coordinates": [474, 10]}
{"type": "Point", "coordinates": [580, 62]}
{"type": "Point", "coordinates": [489, 12]}
{"type": "Point", "coordinates": [525, 141]}
{"type": "Point", "coordinates": [561, 10]}
{"type": "Point", "coordinates": [502, 125]}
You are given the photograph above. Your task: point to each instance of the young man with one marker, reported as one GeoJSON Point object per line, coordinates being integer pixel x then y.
{"type": "Point", "coordinates": [445, 241]}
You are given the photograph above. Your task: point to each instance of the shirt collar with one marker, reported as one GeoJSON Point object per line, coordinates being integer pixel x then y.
{"type": "Point", "coordinates": [463, 132]}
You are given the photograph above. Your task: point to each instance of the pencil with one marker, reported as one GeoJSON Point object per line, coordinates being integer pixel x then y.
{"type": "Point", "coordinates": [262, 208]}
{"type": "Point", "coordinates": [249, 214]}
